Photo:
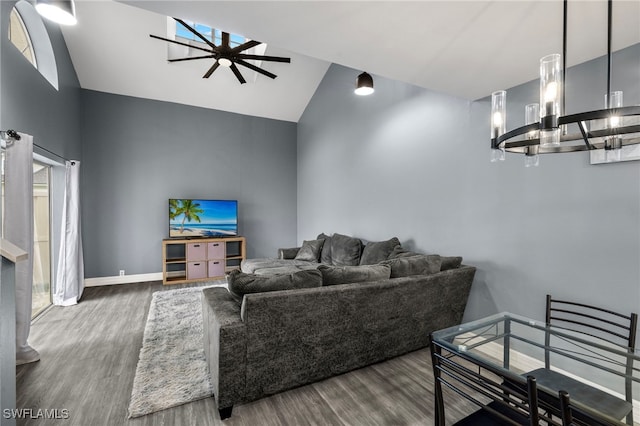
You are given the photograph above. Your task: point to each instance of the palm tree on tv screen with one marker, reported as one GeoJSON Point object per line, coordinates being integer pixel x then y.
{"type": "Point", "coordinates": [189, 211]}
{"type": "Point", "coordinates": [173, 208]}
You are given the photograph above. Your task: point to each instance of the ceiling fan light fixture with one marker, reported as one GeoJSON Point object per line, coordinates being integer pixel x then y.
{"type": "Point", "coordinates": [225, 62]}
{"type": "Point", "coordinates": [62, 12]}
{"type": "Point", "coordinates": [364, 85]}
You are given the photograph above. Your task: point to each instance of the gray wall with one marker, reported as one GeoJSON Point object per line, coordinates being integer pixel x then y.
{"type": "Point", "coordinates": [31, 105]}
{"type": "Point", "coordinates": [138, 153]}
{"type": "Point", "coordinates": [412, 163]}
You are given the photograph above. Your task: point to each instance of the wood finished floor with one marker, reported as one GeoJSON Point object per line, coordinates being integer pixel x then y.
{"type": "Point", "coordinates": [89, 354]}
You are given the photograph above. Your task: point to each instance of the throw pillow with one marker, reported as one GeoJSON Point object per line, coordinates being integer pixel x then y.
{"type": "Point", "coordinates": [414, 265]}
{"type": "Point", "coordinates": [325, 255]}
{"type": "Point", "coordinates": [241, 283]}
{"type": "Point", "coordinates": [310, 250]}
{"type": "Point", "coordinates": [450, 262]}
{"type": "Point", "coordinates": [399, 251]}
{"type": "Point", "coordinates": [345, 250]}
{"type": "Point", "coordinates": [376, 252]}
{"type": "Point", "coordinates": [332, 275]}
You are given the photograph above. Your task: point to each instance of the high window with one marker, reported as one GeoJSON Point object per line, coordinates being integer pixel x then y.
{"type": "Point", "coordinates": [29, 35]}
{"type": "Point", "coordinates": [20, 38]}
{"type": "Point", "coordinates": [212, 34]}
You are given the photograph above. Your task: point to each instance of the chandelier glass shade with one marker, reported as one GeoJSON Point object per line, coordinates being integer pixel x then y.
{"type": "Point", "coordinates": [611, 128]}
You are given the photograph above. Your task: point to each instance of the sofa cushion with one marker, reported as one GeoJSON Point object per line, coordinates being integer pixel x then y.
{"type": "Point", "coordinates": [249, 266]}
{"type": "Point", "coordinates": [241, 283]}
{"type": "Point", "coordinates": [375, 252]}
{"type": "Point", "coordinates": [288, 252]}
{"type": "Point", "coordinates": [332, 275]}
{"type": "Point", "coordinates": [345, 250]}
{"type": "Point", "coordinates": [399, 251]}
{"type": "Point", "coordinates": [310, 250]}
{"type": "Point", "coordinates": [450, 262]}
{"type": "Point", "coordinates": [414, 265]}
{"type": "Point", "coordinates": [325, 255]}
{"type": "Point", "coordinates": [290, 269]}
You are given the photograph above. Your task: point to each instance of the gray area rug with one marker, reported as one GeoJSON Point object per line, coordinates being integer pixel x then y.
{"type": "Point", "coordinates": [172, 369]}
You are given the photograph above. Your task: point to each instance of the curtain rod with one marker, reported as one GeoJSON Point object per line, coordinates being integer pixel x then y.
{"type": "Point", "coordinates": [12, 134]}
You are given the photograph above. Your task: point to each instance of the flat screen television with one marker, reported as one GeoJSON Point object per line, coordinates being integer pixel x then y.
{"type": "Point", "coordinates": [195, 218]}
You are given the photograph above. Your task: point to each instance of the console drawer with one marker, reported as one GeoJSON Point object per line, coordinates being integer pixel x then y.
{"type": "Point", "coordinates": [216, 268]}
{"type": "Point", "coordinates": [196, 270]}
{"type": "Point", "coordinates": [215, 250]}
{"type": "Point", "coordinates": [196, 251]}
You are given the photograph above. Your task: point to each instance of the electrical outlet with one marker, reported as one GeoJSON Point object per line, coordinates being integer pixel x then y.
{"type": "Point", "coordinates": [122, 272]}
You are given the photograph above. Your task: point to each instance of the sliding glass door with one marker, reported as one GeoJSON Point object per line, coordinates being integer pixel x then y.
{"type": "Point", "coordinates": [42, 238]}
{"type": "Point", "coordinates": [42, 234]}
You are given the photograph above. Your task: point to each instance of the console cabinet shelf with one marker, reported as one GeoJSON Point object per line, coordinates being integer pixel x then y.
{"type": "Point", "coordinates": [202, 259]}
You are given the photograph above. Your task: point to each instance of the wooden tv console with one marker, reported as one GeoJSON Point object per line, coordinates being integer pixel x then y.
{"type": "Point", "coordinates": [200, 259]}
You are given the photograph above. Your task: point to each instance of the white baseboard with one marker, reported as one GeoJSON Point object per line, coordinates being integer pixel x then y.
{"type": "Point", "coordinates": [124, 279]}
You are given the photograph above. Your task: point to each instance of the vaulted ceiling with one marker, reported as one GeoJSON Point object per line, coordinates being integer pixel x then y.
{"type": "Point", "coordinates": [463, 48]}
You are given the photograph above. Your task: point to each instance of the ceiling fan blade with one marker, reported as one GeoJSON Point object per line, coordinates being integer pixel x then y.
{"type": "Point", "coordinates": [211, 70]}
{"type": "Point", "coordinates": [225, 39]}
{"type": "Point", "coordinates": [239, 76]}
{"type": "Point", "coordinates": [196, 33]}
{"type": "Point", "coordinates": [191, 58]}
{"type": "Point", "coordinates": [264, 58]}
{"type": "Point", "coordinates": [180, 43]}
{"type": "Point", "coordinates": [244, 46]}
{"type": "Point", "coordinates": [255, 68]}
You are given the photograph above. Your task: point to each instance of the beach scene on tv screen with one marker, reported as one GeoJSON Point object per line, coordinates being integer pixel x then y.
{"type": "Point", "coordinates": [202, 218]}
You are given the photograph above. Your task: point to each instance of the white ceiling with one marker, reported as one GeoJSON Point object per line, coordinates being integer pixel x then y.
{"type": "Point", "coordinates": [463, 48]}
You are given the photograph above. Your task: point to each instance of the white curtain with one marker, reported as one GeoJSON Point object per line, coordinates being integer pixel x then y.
{"type": "Point", "coordinates": [69, 282]}
{"type": "Point", "coordinates": [18, 228]}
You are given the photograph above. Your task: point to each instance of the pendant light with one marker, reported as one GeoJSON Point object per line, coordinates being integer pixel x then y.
{"type": "Point", "coordinates": [62, 12]}
{"type": "Point", "coordinates": [364, 85]}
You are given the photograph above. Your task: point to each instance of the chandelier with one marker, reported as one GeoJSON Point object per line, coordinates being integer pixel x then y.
{"type": "Point", "coordinates": [549, 131]}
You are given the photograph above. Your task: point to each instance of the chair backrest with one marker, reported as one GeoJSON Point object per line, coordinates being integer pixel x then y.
{"type": "Point", "coordinates": [582, 417]}
{"type": "Point", "coordinates": [484, 386]}
{"type": "Point", "coordinates": [613, 327]}
{"type": "Point", "coordinates": [616, 328]}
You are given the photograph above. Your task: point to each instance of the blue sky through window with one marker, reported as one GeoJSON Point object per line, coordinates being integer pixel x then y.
{"type": "Point", "coordinates": [212, 34]}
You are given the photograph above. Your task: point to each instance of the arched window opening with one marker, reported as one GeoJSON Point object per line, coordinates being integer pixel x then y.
{"type": "Point", "coordinates": [20, 38]}
{"type": "Point", "coordinates": [29, 35]}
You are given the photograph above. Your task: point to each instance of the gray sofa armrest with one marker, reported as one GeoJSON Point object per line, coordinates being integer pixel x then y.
{"type": "Point", "coordinates": [288, 253]}
{"type": "Point", "coordinates": [225, 344]}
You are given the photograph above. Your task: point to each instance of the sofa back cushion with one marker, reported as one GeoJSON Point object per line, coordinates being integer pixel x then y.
{"type": "Point", "coordinates": [399, 251]}
{"type": "Point", "coordinates": [378, 251]}
{"type": "Point", "coordinates": [241, 283]}
{"type": "Point", "coordinates": [325, 255]}
{"type": "Point", "coordinates": [333, 275]}
{"type": "Point", "coordinates": [310, 250]}
{"type": "Point", "coordinates": [345, 250]}
{"type": "Point", "coordinates": [425, 264]}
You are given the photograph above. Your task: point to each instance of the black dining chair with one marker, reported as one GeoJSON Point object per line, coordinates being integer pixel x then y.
{"type": "Point", "coordinates": [604, 324]}
{"type": "Point", "coordinates": [574, 416]}
{"type": "Point", "coordinates": [498, 405]}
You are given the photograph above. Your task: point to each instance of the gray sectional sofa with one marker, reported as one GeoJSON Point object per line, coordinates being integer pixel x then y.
{"type": "Point", "coordinates": [284, 323]}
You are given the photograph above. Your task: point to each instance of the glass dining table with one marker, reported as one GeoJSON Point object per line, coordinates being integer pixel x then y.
{"type": "Point", "coordinates": [522, 345]}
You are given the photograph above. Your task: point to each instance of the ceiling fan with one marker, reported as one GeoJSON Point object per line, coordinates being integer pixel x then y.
{"type": "Point", "coordinates": [224, 54]}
